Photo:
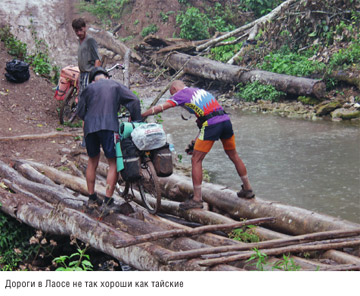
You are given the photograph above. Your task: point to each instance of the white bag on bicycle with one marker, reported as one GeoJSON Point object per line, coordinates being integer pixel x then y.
{"type": "Point", "coordinates": [149, 136]}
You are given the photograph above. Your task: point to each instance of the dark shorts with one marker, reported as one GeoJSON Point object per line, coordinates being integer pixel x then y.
{"type": "Point", "coordinates": [209, 134]}
{"type": "Point", "coordinates": [104, 138]}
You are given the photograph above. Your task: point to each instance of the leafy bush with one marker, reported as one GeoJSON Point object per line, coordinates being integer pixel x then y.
{"type": "Point", "coordinates": [14, 243]}
{"type": "Point", "coordinates": [105, 9]}
{"type": "Point", "coordinates": [68, 263]}
{"type": "Point", "coordinates": [225, 52]}
{"type": "Point", "coordinates": [291, 64]}
{"type": "Point", "coordinates": [346, 57]}
{"type": "Point", "coordinates": [151, 29]}
{"type": "Point", "coordinates": [194, 25]}
{"type": "Point", "coordinates": [257, 91]}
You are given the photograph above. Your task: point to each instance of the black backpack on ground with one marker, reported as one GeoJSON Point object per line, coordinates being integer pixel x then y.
{"type": "Point", "coordinates": [17, 71]}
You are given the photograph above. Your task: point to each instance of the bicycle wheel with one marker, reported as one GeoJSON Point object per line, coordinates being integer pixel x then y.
{"type": "Point", "coordinates": [68, 107]}
{"type": "Point", "coordinates": [149, 186]}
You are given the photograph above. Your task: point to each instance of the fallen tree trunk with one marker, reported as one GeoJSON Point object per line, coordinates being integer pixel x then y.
{"type": "Point", "coordinates": [209, 69]}
{"type": "Point", "coordinates": [107, 40]}
{"type": "Point", "coordinates": [37, 136]}
{"type": "Point", "coordinates": [289, 219]}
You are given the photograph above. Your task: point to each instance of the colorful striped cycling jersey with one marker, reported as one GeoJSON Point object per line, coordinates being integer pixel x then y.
{"type": "Point", "coordinates": [199, 102]}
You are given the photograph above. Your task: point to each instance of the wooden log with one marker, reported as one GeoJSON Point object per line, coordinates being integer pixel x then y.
{"type": "Point", "coordinates": [341, 257]}
{"type": "Point", "coordinates": [189, 232]}
{"type": "Point", "coordinates": [289, 219]}
{"type": "Point", "coordinates": [50, 194]}
{"type": "Point", "coordinates": [214, 70]}
{"type": "Point", "coordinates": [283, 250]}
{"type": "Point", "coordinates": [127, 68]}
{"type": "Point", "coordinates": [107, 40]}
{"type": "Point", "coordinates": [266, 244]}
{"type": "Point", "coordinates": [58, 219]}
{"type": "Point", "coordinates": [37, 136]}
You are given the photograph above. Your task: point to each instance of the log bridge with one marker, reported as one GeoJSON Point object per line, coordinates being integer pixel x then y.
{"type": "Point", "coordinates": [53, 201]}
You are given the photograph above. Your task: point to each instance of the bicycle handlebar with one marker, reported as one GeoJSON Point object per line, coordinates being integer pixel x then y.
{"type": "Point", "coordinates": [116, 66]}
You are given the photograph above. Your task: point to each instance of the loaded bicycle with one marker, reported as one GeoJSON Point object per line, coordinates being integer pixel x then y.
{"type": "Point", "coordinates": [68, 91]}
{"type": "Point", "coordinates": [143, 163]}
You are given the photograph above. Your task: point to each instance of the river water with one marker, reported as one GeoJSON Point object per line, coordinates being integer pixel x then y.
{"type": "Point", "coordinates": [312, 165]}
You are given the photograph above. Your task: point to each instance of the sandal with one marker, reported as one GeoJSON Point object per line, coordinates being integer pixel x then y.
{"type": "Point", "coordinates": [191, 204]}
{"type": "Point", "coordinates": [247, 194]}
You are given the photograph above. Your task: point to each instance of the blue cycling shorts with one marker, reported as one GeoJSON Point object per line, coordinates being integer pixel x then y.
{"type": "Point", "coordinates": [105, 138]}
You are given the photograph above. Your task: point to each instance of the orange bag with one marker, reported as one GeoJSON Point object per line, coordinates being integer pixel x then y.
{"type": "Point", "coordinates": [62, 89]}
{"type": "Point", "coordinates": [68, 76]}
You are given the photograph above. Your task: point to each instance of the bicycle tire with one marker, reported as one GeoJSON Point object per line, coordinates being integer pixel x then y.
{"type": "Point", "coordinates": [149, 185]}
{"type": "Point", "coordinates": [67, 112]}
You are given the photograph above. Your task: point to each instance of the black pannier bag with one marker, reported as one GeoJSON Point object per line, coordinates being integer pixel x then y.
{"type": "Point", "coordinates": [162, 161]}
{"type": "Point", "coordinates": [17, 71]}
{"type": "Point", "coordinates": [130, 154]}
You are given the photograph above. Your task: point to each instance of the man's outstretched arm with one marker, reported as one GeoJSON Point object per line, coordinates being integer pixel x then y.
{"type": "Point", "coordinates": [157, 109]}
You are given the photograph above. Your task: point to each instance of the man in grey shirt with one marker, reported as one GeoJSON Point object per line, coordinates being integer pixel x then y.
{"type": "Point", "coordinates": [88, 55]}
{"type": "Point", "coordinates": [98, 106]}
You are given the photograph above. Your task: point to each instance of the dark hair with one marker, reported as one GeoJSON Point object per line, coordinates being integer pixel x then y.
{"type": "Point", "coordinates": [96, 71]}
{"type": "Point", "coordinates": [78, 23]}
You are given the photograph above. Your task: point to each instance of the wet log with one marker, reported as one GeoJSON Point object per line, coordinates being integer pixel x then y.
{"type": "Point", "coordinates": [189, 232]}
{"type": "Point", "coordinates": [284, 250]}
{"type": "Point", "coordinates": [107, 40]}
{"type": "Point", "coordinates": [209, 69]}
{"type": "Point", "coordinates": [37, 136]}
{"type": "Point", "coordinates": [289, 219]}
{"type": "Point", "coordinates": [266, 244]}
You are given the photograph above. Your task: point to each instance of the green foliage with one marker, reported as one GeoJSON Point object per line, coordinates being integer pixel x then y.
{"type": "Point", "coordinates": [261, 259]}
{"type": "Point", "coordinates": [105, 9]}
{"type": "Point", "coordinates": [194, 25]}
{"type": "Point", "coordinates": [259, 7]}
{"type": "Point", "coordinates": [14, 243]}
{"type": "Point", "coordinates": [225, 52]}
{"type": "Point", "coordinates": [221, 17]}
{"type": "Point", "coordinates": [39, 60]}
{"type": "Point", "coordinates": [291, 63]}
{"type": "Point", "coordinates": [246, 234]}
{"type": "Point", "coordinates": [14, 46]}
{"type": "Point", "coordinates": [257, 91]}
{"type": "Point", "coordinates": [151, 29]}
{"type": "Point", "coordinates": [286, 264]}
{"type": "Point", "coordinates": [136, 22]}
{"type": "Point", "coordinates": [164, 17]}
{"type": "Point", "coordinates": [346, 57]}
{"type": "Point", "coordinates": [69, 263]}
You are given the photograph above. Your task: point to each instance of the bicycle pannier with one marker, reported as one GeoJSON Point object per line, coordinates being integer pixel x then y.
{"type": "Point", "coordinates": [131, 159]}
{"type": "Point", "coordinates": [71, 73]}
{"type": "Point", "coordinates": [17, 71]}
{"type": "Point", "coordinates": [62, 89]}
{"type": "Point", "coordinates": [149, 136]}
{"type": "Point", "coordinates": [162, 161]}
